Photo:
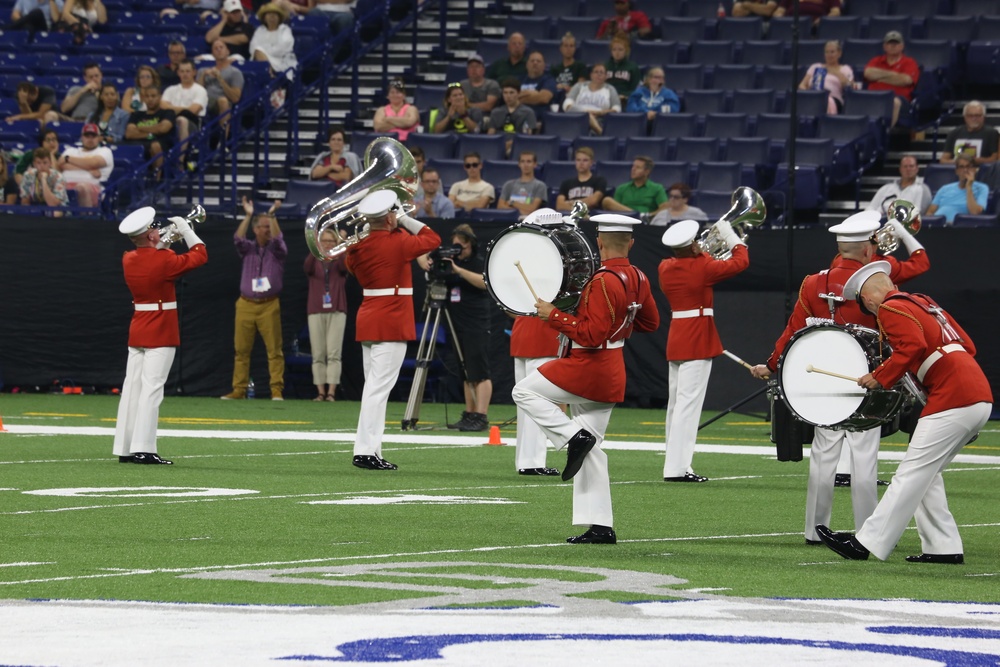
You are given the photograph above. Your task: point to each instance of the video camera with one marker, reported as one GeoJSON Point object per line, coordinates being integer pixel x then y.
{"type": "Point", "coordinates": [440, 266]}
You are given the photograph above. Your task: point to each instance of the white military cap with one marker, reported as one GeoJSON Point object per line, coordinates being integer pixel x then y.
{"type": "Point", "coordinates": [614, 222]}
{"type": "Point", "coordinates": [680, 234]}
{"type": "Point", "coordinates": [857, 281]}
{"type": "Point", "coordinates": [858, 227]}
{"type": "Point", "coordinates": [138, 221]}
{"type": "Point", "coordinates": [377, 204]}
{"type": "Point", "coordinates": [544, 216]}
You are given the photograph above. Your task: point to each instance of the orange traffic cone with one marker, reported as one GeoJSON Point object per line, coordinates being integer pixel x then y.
{"type": "Point", "coordinates": [3, 430]}
{"type": "Point", "coordinates": [495, 436]}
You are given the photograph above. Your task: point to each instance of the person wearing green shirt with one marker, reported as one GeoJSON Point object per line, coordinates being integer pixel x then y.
{"type": "Point", "coordinates": [623, 74]}
{"type": "Point", "coordinates": [640, 194]}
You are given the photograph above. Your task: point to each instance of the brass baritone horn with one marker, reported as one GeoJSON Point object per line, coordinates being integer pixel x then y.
{"type": "Point", "coordinates": [169, 234]}
{"type": "Point", "coordinates": [748, 211]}
{"type": "Point", "coordinates": [388, 166]}
{"type": "Point", "coordinates": [906, 214]}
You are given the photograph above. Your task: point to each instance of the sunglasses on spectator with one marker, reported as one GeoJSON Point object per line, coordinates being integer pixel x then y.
{"type": "Point", "coordinates": [470, 165]}
{"type": "Point", "coordinates": [455, 85]}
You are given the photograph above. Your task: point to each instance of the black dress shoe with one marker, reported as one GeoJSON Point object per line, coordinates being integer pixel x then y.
{"type": "Point", "coordinates": [881, 482]}
{"type": "Point", "coordinates": [844, 544]}
{"type": "Point", "coordinates": [688, 477]}
{"type": "Point", "coordinates": [546, 472]}
{"type": "Point", "coordinates": [373, 462]}
{"type": "Point", "coordinates": [842, 479]}
{"type": "Point", "coordinates": [148, 458]}
{"type": "Point", "coordinates": [595, 535]}
{"type": "Point", "coordinates": [947, 559]}
{"type": "Point", "coordinates": [576, 451]}
{"type": "Point", "coordinates": [124, 459]}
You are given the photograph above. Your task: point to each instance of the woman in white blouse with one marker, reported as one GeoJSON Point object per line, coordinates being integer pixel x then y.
{"type": "Point", "coordinates": [595, 97]}
{"type": "Point", "coordinates": [273, 40]}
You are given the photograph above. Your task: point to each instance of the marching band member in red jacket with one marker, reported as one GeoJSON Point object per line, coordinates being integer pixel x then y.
{"type": "Point", "coordinates": [929, 343]}
{"type": "Point", "coordinates": [616, 301]}
{"type": "Point", "coordinates": [153, 337]}
{"type": "Point", "coordinates": [692, 341]}
{"type": "Point", "coordinates": [381, 263]}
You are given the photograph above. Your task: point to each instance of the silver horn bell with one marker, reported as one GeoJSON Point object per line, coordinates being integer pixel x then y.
{"type": "Point", "coordinates": [169, 233]}
{"type": "Point", "coordinates": [748, 211]}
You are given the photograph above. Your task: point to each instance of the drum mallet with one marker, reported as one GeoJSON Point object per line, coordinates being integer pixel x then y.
{"type": "Point", "coordinates": [526, 281]}
{"type": "Point", "coordinates": [812, 369]}
{"type": "Point", "coordinates": [737, 360]}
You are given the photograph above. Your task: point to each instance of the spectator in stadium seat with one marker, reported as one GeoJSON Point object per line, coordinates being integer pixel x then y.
{"type": "Point", "coordinates": [145, 77]}
{"type": "Point", "coordinates": [569, 71]}
{"type": "Point", "coordinates": [973, 139]}
{"type": "Point", "coordinates": [188, 99]}
{"type": "Point", "coordinates": [678, 208]}
{"type": "Point", "coordinates": [223, 83]}
{"type": "Point", "coordinates": [336, 165]}
{"type": "Point", "coordinates": [538, 89]}
{"type": "Point", "coordinates": [596, 98]}
{"type": "Point", "coordinates": [35, 15]}
{"type": "Point", "coordinates": [43, 185]}
{"type": "Point", "coordinates": [273, 40]}
{"type": "Point", "coordinates": [33, 102]}
{"type": "Point", "coordinates": [908, 187]}
{"type": "Point", "coordinates": [232, 29]}
{"type": "Point", "coordinates": [763, 8]}
{"type": "Point", "coordinates": [526, 193]}
{"type": "Point", "coordinates": [830, 76]}
{"type": "Point", "coordinates": [455, 115]}
{"type": "Point", "coordinates": [11, 190]}
{"type": "Point", "coordinates": [639, 194]}
{"type": "Point", "coordinates": [397, 117]}
{"type": "Point", "coordinates": [176, 54]}
{"type": "Point", "coordinates": [83, 16]}
{"type": "Point", "coordinates": [431, 202]}
{"type": "Point", "coordinates": [623, 74]}
{"type": "Point", "coordinates": [338, 12]}
{"type": "Point", "coordinates": [86, 168]}
{"type": "Point", "coordinates": [473, 192]}
{"type": "Point", "coordinates": [815, 9]}
{"type": "Point", "coordinates": [626, 20]}
{"type": "Point", "coordinates": [420, 160]}
{"type": "Point", "coordinates": [152, 128]}
{"type": "Point", "coordinates": [894, 71]}
{"type": "Point", "coordinates": [965, 196]}
{"type": "Point", "coordinates": [512, 117]}
{"type": "Point", "coordinates": [109, 117]}
{"type": "Point", "coordinates": [482, 93]}
{"type": "Point", "coordinates": [586, 186]}
{"type": "Point", "coordinates": [47, 139]}
{"type": "Point", "coordinates": [652, 97]}
{"type": "Point", "coordinates": [513, 65]}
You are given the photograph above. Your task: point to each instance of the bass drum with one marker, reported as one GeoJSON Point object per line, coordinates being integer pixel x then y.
{"type": "Point", "coordinates": [832, 402]}
{"type": "Point", "coordinates": [557, 259]}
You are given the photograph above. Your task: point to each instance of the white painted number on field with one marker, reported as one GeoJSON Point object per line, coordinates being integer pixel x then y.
{"type": "Point", "coordinates": [415, 499]}
{"type": "Point", "coordinates": [142, 492]}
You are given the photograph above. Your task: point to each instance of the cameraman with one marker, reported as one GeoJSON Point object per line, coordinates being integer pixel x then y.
{"type": "Point", "coordinates": [462, 272]}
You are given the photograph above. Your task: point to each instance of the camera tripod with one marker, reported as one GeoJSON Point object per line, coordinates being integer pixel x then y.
{"type": "Point", "coordinates": [436, 304]}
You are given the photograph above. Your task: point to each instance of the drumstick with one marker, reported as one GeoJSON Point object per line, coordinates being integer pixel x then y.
{"type": "Point", "coordinates": [737, 359]}
{"type": "Point", "coordinates": [812, 369]}
{"type": "Point", "coordinates": [526, 281]}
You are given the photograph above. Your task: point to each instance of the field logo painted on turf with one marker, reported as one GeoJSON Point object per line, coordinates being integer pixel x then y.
{"type": "Point", "coordinates": [415, 499]}
{"type": "Point", "coordinates": [141, 492]}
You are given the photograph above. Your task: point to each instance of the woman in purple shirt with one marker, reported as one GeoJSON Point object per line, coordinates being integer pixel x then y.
{"type": "Point", "coordinates": [326, 310]}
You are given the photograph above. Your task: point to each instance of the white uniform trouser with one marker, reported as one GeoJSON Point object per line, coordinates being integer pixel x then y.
{"type": "Point", "coordinates": [688, 383]}
{"type": "Point", "coordinates": [531, 445]}
{"type": "Point", "coordinates": [382, 361]}
{"type": "Point", "coordinates": [862, 448]}
{"type": "Point", "coordinates": [540, 399]}
{"type": "Point", "coordinates": [844, 465]}
{"type": "Point", "coordinates": [917, 489]}
{"type": "Point", "coordinates": [139, 408]}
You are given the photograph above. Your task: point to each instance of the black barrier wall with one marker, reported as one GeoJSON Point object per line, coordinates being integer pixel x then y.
{"type": "Point", "coordinates": [64, 308]}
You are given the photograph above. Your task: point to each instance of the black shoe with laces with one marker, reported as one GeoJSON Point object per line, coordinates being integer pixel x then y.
{"type": "Point", "coordinates": [576, 451]}
{"type": "Point", "coordinates": [373, 462]}
{"type": "Point", "coordinates": [544, 472]}
{"type": "Point", "coordinates": [464, 417]}
{"type": "Point", "coordinates": [149, 458]}
{"type": "Point", "coordinates": [595, 535]}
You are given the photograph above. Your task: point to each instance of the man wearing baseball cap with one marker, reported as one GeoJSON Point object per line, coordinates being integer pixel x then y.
{"type": "Point", "coordinates": [233, 29]}
{"type": "Point", "coordinates": [482, 93]}
{"type": "Point", "coordinates": [894, 71]}
{"type": "Point", "coordinates": [87, 166]}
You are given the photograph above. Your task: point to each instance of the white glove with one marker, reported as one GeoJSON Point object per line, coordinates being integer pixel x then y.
{"type": "Point", "coordinates": [409, 224]}
{"type": "Point", "coordinates": [725, 231]}
{"type": "Point", "coordinates": [905, 237]}
{"type": "Point", "coordinates": [184, 227]}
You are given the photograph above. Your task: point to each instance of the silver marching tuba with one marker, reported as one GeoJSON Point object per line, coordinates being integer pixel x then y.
{"type": "Point", "coordinates": [906, 214]}
{"type": "Point", "coordinates": [169, 233]}
{"type": "Point", "coordinates": [748, 211]}
{"type": "Point", "coordinates": [388, 166]}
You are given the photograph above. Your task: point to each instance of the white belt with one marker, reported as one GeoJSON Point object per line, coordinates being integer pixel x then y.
{"type": "Point", "coordinates": [935, 356]}
{"type": "Point", "coordinates": [169, 305]}
{"type": "Point", "coordinates": [697, 312]}
{"type": "Point", "coordinates": [388, 291]}
{"type": "Point", "coordinates": [610, 345]}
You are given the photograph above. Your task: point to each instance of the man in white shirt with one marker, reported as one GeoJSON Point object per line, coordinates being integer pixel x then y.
{"type": "Point", "coordinates": [908, 187]}
{"type": "Point", "coordinates": [187, 99]}
{"type": "Point", "coordinates": [86, 167]}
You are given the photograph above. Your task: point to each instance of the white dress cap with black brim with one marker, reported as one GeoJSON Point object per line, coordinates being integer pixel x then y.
{"type": "Point", "coordinates": [377, 204]}
{"type": "Point", "coordinates": [545, 217]}
{"type": "Point", "coordinates": [859, 227]}
{"type": "Point", "coordinates": [614, 222]}
{"type": "Point", "coordinates": [138, 221]}
{"type": "Point", "coordinates": [680, 234]}
{"type": "Point", "coordinates": [857, 280]}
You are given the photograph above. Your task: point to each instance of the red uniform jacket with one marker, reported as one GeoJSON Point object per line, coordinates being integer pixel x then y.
{"type": "Point", "coordinates": [532, 338]}
{"type": "Point", "coordinates": [382, 261]}
{"type": "Point", "coordinates": [150, 276]}
{"type": "Point", "coordinates": [955, 380]}
{"type": "Point", "coordinates": [687, 283]}
{"type": "Point", "coordinates": [599, 374]}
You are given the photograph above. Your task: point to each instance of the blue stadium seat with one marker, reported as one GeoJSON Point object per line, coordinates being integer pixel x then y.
{"type": "Point", "coordinates": [937, 175]}
{"type": "Point", "coordinates": [734, 77]}
{"type": "Point", "coordinates": [492, 49]}
{"type": "Point", "coordinates": [976, 7]}
{"type": "Point", "coordinates": [966, 220]}
{"type": "Point", "coordinates": [546, 146]}
{"type": "Point", "coordinates": [657, 148]}
{"type": "Point", "coordinates": [499, 172]}
{"type": "Point", "coordinates": [719, 176]}
{"type": "Point", "coordinates": [592, 51]}
{"type": "Point", "coordinates": [662, 8]}
{"type": "Point", "coordinates": [754, 101]}
{"type": "Point", "coordinates": [726, 125]}
{"type": "Point", "coordinates": [682, 29]}
{"type": "Point", "coordinates": [672, 172]}
{"type": "Point", "coordinates": [952, 28]}
{"type": "Point", "coordinates": [988, 28]}
{"type": "Point", "coordinates": [697, 149]}
{"type": "Point", "coordinates": [532, 27]}
{"type": "Point", "coordinates": [306, 193]}
{"type": "Point", "coordinates": [623, 125]}
{"type": "Point", "coordinates": [654, 52]}
{"type": "Point", "coordinates": [549, 48]}
{"type": "Point", "coordinates": [615, 173]}
{"type": "Point", "coordinates": [743, 29]}
{"type": "Point", "coordinates": [15, 40]}
{"type": "Point", "coordinates": [982, 63]}
{"type": "Point", "coordinates": [683, 77]}
{"type": "Point", "coordinates": [870, 7]}
{"type": "Point", "coordinates": [451, 172]}
{"type": "Point", "coordinates": [776, 127]}
{"type": "Point", "coordinates": [359, 140]}
{"type": "Point", "coordinates": [703, 9]}
{"type": "Point", "coordinates": [68, 131]}
{"type": "Point", "coordinates": [52, 42]}
{"type": "Point", "coordinates": [715, 52]}
{"type": "Point", "coordinates": [428, 97]}
{"type": "Point", "coordinates": [878, 26]}
{"type": "Point", "coordinates": [811, 51]}
{"type": "Point", "coordinates": [811, 102]}
{"type": "Point", "coordinates": [780, 78]}
{"type": "Point", "coordinates": [754, 154]}
{"type": "Point", "coordinates": [582, 27]}
{"type": "Point", "coordinates": [811, 188]}
{"type": "Point", "coordinates": [857, 53]}
{"type": "Point", "coordinates": [715, 203]}
{"type": "Point", "coordinates": [555, 172]}
{"type": "Point", "coordinates": [780, 28]}
{"type": "Point", "coordinates": [489, 146]}
{"type": "Point", "coordinates": [675, 125]}
{"type": "Point", "coordinates": [855, 144]}
{"type": "Point", "coordinates": [558, 8]}
{"type": "Point", "coordinates": [605, 148]}
{"type": "Point", "coordinates": [839, 27]}
{"type": "Point", "coordinates": [567, 125]}
{"type": "Point", "coordinates": [435, 146]}
{"type": "Point", "coordinates": [703, 101]}
{"type": "Point", "coordinates": [760, 53]}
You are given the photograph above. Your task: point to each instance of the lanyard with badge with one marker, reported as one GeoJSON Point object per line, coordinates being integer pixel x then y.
{"type": "Point", "coordinates": [261, 283]}
{"type": "Point", "coordinates": [327, 301]}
